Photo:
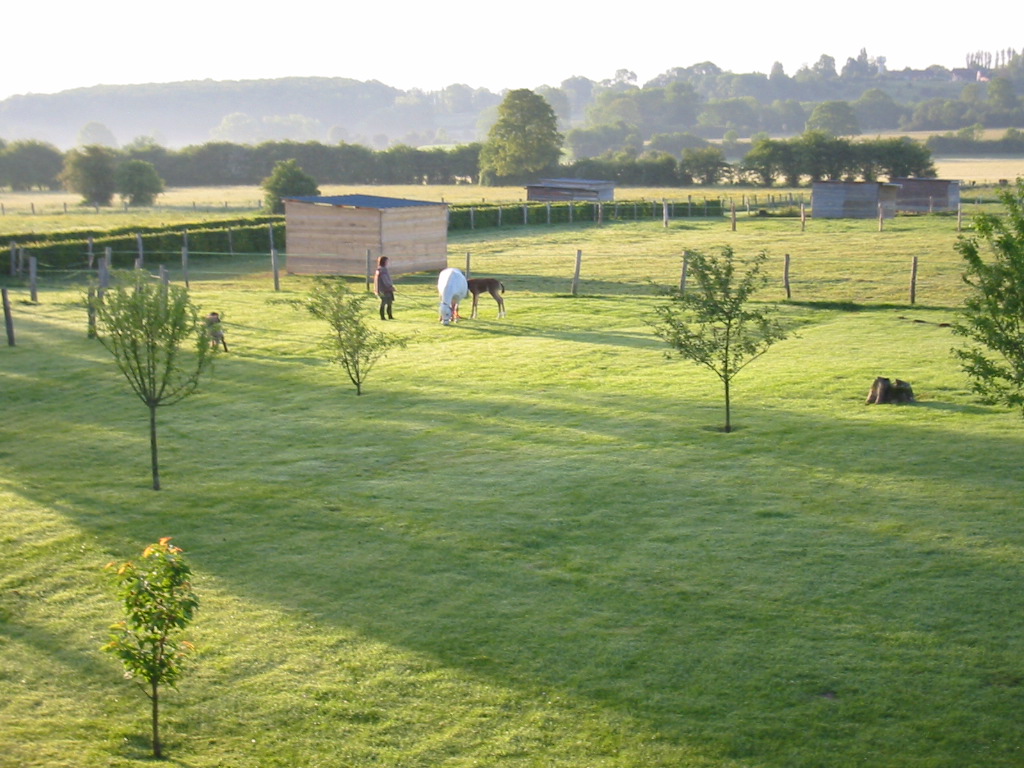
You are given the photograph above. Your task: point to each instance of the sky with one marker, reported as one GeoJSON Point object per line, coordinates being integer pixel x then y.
{"type": "Point", "coordinates": [498, 46]}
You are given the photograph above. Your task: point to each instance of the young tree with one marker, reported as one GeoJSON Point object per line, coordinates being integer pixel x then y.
{"type": "Point", "coordinates": [287, 180]}
{"type": "Point", "coordinates": [89, 171]}
{"type": "Point", "coordinates": [992, 319]}
{"type": "Point", "coordinates": [715, 325]}
{"type": "Point", "coordinates": [352, 344]}
{"type": "Point", "coordinates": [523, 142]}
{"type": "Point", "coordinates": [158, 603]}
{"type": "Point", "coordinates": [158, 341]}
{"type": "Point", "coordinates": [137, 182]}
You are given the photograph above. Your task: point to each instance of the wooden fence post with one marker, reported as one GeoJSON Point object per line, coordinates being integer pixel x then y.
{"type": "Point", "coordinates": [576, 274]}
{"type": "Point", "coordinates": [90, 254]}
{"type": "Point", "coordinates": [138, 245]}
{"type": "Point", "coordinates": [14, 259]}
{"type": "Point", "coordinates": [732, 206]}
{"type": "Point", "coordinates": [664, 213]}
{"type": "Point", "coordinates": [959, 217]}
{"type": "Point", "coordinates": [91, 307]}
{"type": "Point", "coordinates": [184, 264]}
{"type": "Point", "coordinates": [803, 216]}
{"type": "Point", "coordinates": [8, 318]}
{"type": "Point", "coordinates": [369, 269]}
{"type": "Point", "coordinates": [33, 268]}
{"type": "Point", "coordinates": [273, 259]}
{"type": "Point", "coordinates": [785, 278]}
{"type": "Point", "coordinates": [165, 279]}
{"type": "Point", "coordinates": [881, 217]}
{"type": "Point", "coordinates": [913, 281]}
{"type": "Point", "coordinates": [682, 277]}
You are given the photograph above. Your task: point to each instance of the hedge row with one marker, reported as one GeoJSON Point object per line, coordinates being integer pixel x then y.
{"type": "Point", "coordinates": [71, 250]}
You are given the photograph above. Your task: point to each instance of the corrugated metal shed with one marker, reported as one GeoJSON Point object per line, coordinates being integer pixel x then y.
{"type": "Point", "coordinates": [345, 234]}
{"type": "Point", "coordinates": [927, 195]}
{"type": "Point", "coordinates": [553, 190]}
{"type": "Point", "coordinates": [853, 199]}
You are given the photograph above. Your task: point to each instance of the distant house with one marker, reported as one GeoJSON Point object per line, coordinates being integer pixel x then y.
{"type": "Point", "coordinates": [853, 199]}
{"type": "Point", "coordinates": [345, 234]}
{"type": "Point", "coordinates": [557, 190]}
{"type": "Point", "coordinates": [927, 195]}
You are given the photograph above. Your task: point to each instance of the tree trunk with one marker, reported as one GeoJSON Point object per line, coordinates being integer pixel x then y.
{"type": "Point", "coordinates": [152, 447]}
{"type": "Point", "coordinates": [155, 699]}
{"type": "Point", "coordinates": [728, 415]}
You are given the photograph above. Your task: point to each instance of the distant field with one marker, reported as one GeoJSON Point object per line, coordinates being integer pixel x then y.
{"type": "Point", "coordinates": [54, 211]}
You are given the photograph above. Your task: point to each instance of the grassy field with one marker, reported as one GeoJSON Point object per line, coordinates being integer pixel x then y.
{"type": "Point", "coordinates": [528, 543]}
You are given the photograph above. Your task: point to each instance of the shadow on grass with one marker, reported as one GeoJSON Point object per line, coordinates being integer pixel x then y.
{"type": "Point", "coordinates": [598, 543]}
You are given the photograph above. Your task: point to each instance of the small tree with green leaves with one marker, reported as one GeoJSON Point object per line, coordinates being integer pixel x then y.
{"type": "Point", "coordinates": [287, 180]}
{"type": "Point", "coordinates": [351, 343]}
{"type": "Point", "coordinates": [159, 602]}
{"type": "Point", "coordinates": [992, 318]}
{"type": "Point", "coordinates": [138, 182]}
{"type": "Point", "coordinates": [714, 323]}
{"type": "Point", "coordinates": [158, 341]}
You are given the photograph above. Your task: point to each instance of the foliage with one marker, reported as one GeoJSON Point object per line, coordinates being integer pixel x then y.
{"type": "Point", "coordinates": [715, 325]}
{"type": "Point", "coordinates": [158, 602]}
{"type": "Point", "coordinates": [352, 343]}
{"type": "Point", "coordinates": [137, 182]}
{"type": "Point", "coordinates": [523, 143]}
{"type": "Point", "coordinates": [287, 180]}
{"type": "Point", "coordinates": [90, 171]}
{"type": "Point", "coordinates": [992, 319]}
{"type": "Point", "coordinates": [836, 118]}
{"type": "Point", "coordinates": [26, 165]}
{"type": "Point", "coordinates": [147, 327]}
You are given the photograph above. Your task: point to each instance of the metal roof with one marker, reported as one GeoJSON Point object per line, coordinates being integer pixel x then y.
{"type": "Point", "coordinates": [362, 201]}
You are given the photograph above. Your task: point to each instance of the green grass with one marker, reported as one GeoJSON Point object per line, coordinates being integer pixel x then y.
{"type": "Point", "coordinates": [529, 543]}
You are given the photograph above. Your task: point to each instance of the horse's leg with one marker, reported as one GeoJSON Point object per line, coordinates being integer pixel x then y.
{"type": "Point", "coordinates": [501, 302]}
{"type": "Point", "coordinates": [476, 298]}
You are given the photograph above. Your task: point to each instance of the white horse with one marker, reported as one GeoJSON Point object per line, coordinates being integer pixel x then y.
{"type": "Point", "coordinates": [453, 288]}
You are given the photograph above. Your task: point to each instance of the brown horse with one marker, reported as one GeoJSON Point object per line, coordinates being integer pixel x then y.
{"type": "Point", "coordinates": [491, 285]}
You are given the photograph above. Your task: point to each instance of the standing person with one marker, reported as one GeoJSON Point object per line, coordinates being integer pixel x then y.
{"type": "Point", "coordinates": [384, 288]}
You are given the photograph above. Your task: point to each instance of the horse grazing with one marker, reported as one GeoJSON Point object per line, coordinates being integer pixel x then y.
{"type": "Point", "coordinates": [491, 285]}
{"type": "Point", "coordinates": [452, 287]}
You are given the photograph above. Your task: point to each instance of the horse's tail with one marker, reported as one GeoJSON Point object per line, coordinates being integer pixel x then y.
{"type": "Point", "coordinates": [502, 286]}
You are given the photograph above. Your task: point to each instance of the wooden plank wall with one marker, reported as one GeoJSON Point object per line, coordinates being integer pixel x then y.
{"type": "Point", "coordinates": [328, 239]}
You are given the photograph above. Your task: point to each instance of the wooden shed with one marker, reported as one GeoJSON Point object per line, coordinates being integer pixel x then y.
{"type": "Point", "coordinates": [557, 190]}
{"type": "Point", "coordinates": [332, 235]}
{"type": "Point", "coordinates": [927, 195]}
{"type": "Point", "coordinates": [853, 199]}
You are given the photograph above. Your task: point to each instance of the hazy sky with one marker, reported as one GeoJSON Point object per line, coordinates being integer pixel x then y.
{"type": "Point", "coordinates": [483, 45]}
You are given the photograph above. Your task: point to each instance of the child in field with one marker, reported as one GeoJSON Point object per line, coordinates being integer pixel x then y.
{"type": "Point", "coordinates": [384, 288]}
{"type": "Point", "coordinates": [216, 331]}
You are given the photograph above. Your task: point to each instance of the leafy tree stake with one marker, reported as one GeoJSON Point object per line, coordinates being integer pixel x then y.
{"type": "Point", "coordinates": [352, 344]}
{"type": "Point", "coordinates": [146, 327]}
{"type": "Point", "coordinates": [158, 603]}
{"type": "Point", "coordinates": [714, 325]}
{"type": "Point", "coordinates": [992, 319]}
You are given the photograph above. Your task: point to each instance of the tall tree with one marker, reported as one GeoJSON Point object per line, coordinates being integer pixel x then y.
{"type": "Point", "coordinates": [992, 319]}
{"type": "Point", "coordinates": [31, 164]}
{"type": "Point", "coordinates": [90, 171]}
{"type": "Point", "coordinates": [158, 341]}
{"type": "Point", "coordinates": [714, 324]}
{"type": "Point", "coordinates": [137, 182]}
{"type": "Point", "coordinates": [158, 602]}
{"type": "Point", "coordinates": [287, 180]}
{"type": "Point", "coordinates": [523, 143]}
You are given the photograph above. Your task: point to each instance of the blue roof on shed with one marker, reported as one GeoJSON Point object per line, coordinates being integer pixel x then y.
{"type": "Point", "coordinates": [362, 201]}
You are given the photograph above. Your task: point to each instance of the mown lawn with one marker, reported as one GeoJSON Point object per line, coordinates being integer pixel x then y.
{"type": "Point", "coordinates": [528, 543]}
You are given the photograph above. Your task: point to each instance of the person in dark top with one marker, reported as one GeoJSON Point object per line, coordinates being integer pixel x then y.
{"type": "Point", "coordinates": [384, 288]}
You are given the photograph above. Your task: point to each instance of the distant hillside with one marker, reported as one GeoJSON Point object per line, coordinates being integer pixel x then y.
{"type": "Point", "coordinates": [179, 114]}
{"type": "Point", "coordinates": [668, 113]}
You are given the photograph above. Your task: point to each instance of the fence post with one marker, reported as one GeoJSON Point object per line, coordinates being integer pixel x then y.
{"type": "Point", "coordinates": [548, 207]}
{"type": "Point", "coordinates": [526, 215]}
{"type": "Point", "coordinates": [803, 216]}
{"type": "Point", "coordinates": [165, 279]}
{"type": "Point", "coordinates": [138, 244]}
{"type": "Point", "coordinates": [959, 217]}
{"type": "Point", "coordinates": [732, 205]}
{"type": "Point", "coordinates": [576, 274]}
{"type": "Point", "coordinates": [8, 318]}
{"type": "Point", "coordinates": [682, 276]}
{"type": "Point", "coordinates": [785, 278]}
{"type": "Point", "coordinates": [881, 217]}
{"type": "Point", "coordinates": [33, 268]}
{"type": "Point", "coordinates": [14, 259]}
{"type": "Point", "coordinates": [92, 256]}
{"type": "Point", "coordinates": [913, 281]}
{"type": "Point", "coordinates": [664, 213]}
{"type": "Point", "coordinates": [184, 264]}
{"type": "Point", "coordinates": [369, 269]}
{"type": "Point", "coordinates": [91, 307]}
{"type": "Point", "coordinates": [472, 217]}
